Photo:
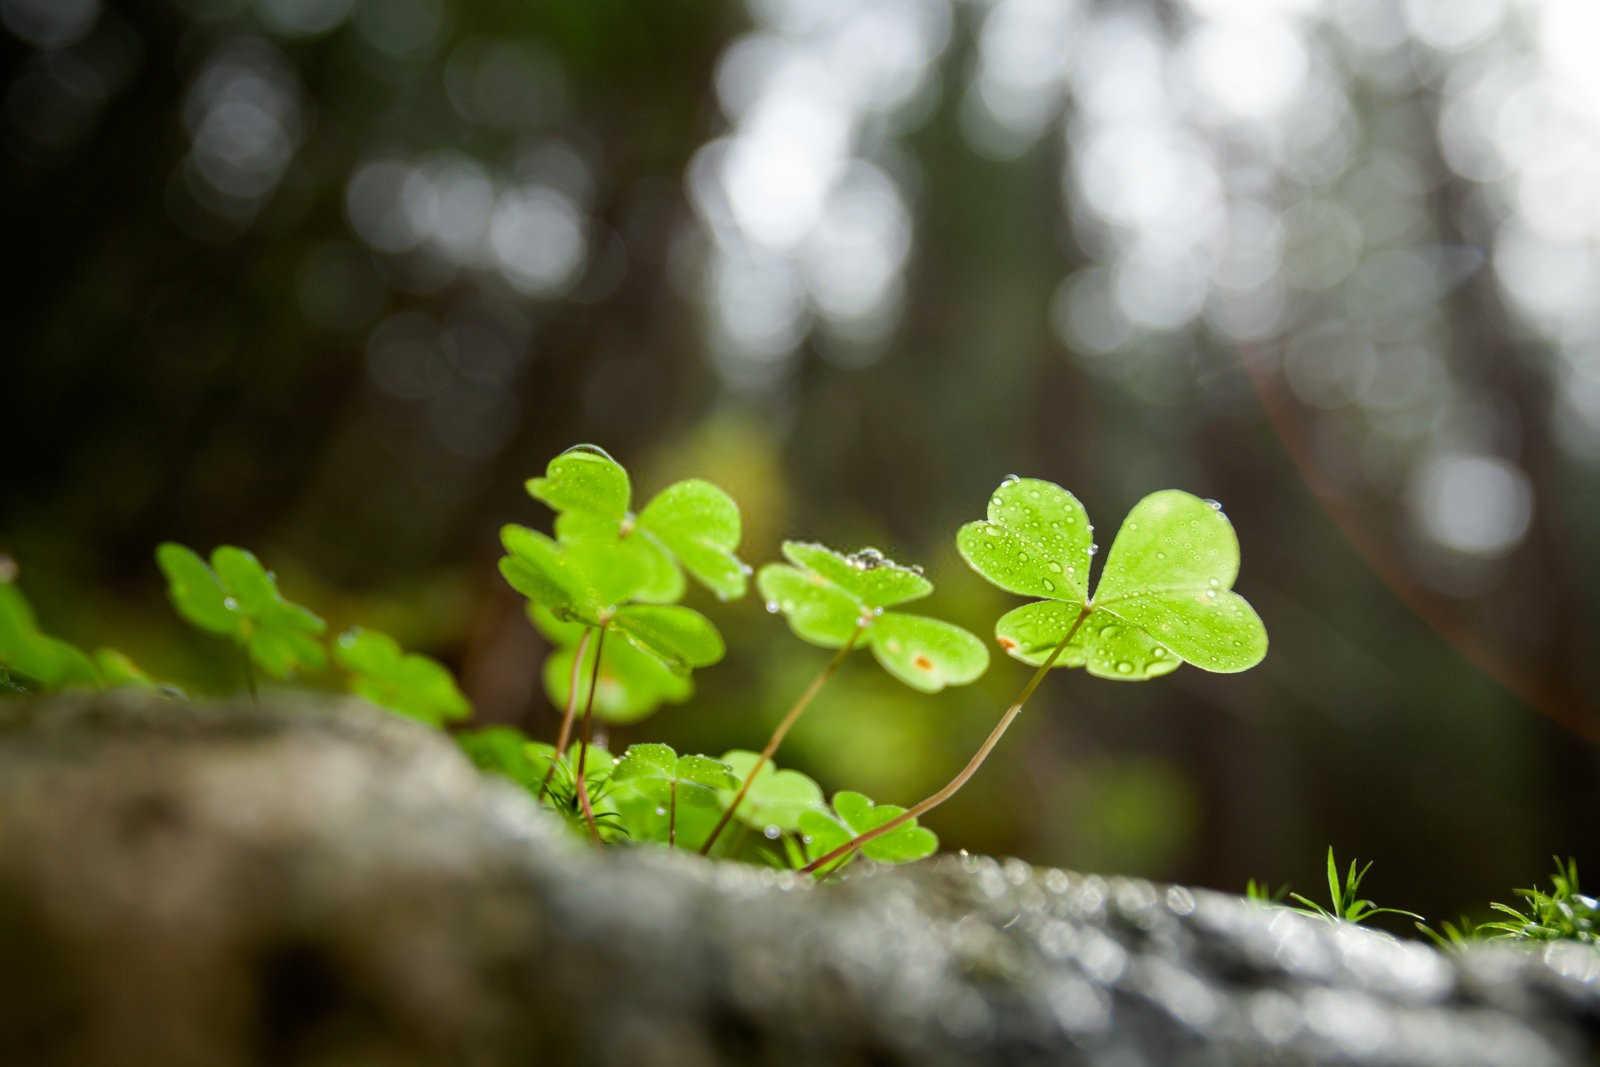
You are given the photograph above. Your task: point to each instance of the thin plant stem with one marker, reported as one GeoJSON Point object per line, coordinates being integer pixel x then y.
{"type": "Point", "coordinates": [583, 745]}
{"type": "Point", "coordinates": [250, 675]}
{"type": "Point", "coordinates": [950, 788]}
{"type": "Point", "coordinates": [571, 711]}
{"type": "Point", "coordinates": [789, 719]}
{"type": "Point", "coordinates": [672, 813]}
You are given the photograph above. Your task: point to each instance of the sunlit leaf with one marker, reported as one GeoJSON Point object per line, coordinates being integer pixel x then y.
{"type": "Point", "coordinates": [699, 524]}
{"type": "Point", "coordinates": [408, 683]}
{"type": "Point", "coordinates": [663, 796]}
{"type": "Point", "coordinates": [854, 814]}
{"type": "Point", "coordinates": [1164, 597]}
{"type": "Point", "coordinates": [777, 798]}
{"type": "Point", "coordinates": [927, 654]}
{"type": "Point", "coordinates": [680, 637]}
{"type": "Point", "coordinates": [828, 597]}
{"type": "Point", "coordinates": [1036, 541]}
{"type": "Point", "coordinates": [586, 480]}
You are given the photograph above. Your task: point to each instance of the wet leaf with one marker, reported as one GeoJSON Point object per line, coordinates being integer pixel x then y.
{"type": "Point", "coordinates": [854, 814]}
{"type": "Point", "coordinates": [238, 598]}
{"type": "Point", "coordinates": [408, 683]}
{"type": "Point", "coordinates": [777, 798]}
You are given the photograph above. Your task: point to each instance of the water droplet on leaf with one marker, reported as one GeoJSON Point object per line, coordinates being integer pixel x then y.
{"type": "Point", "coordinates": [772, 833]}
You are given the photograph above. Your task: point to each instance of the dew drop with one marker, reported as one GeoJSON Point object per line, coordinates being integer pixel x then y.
{"type": "Point", "coordinates": [1049, 586]}
{"type": "Point", "coordinates": [1161, 555]}
{"type": "Point", "coordinates": [805, 839]}
{"type": "Point", "coordinates": [230, 603]}
{"type": "Point", "coordinates": [1124, 667]}
{"type": "Point", "coordinates": [1022, 557]}
{"type": "Point", "coordinates": [1215, 583]}
{"type": "Point", "coordinates": [1093, 548]}
{"type": "Point", "coordinates": [659, 810]}
{"type": "Point", "coordinates": [1010, 479]}
{"type": "Point", "coordinates": [915, 568]}
{"type": "Point", "coordinates": [1055, 567]}
{"type": "Point", "coordinates": [772, 607]}
{"type": "Point", "coordinates": [772, 833]}
{"type": "Point", "coordinates": [992, 531]}
{"type": "Point", "coordinates": [1211, 594]}
{"type": "Point", "coordinates": [1132, 526]}
{"type": "Point", "coordinates": [1214, 505]}
{"type": "Point", "coordinates": [1158, 653]}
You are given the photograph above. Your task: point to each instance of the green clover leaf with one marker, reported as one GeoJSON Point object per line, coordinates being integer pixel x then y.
{"type": "Point", "coordinates": [237, 598]}
{"type": "Point", "coordinates": [407, 683]}
{"type": "Point", "coordinates": [631, 684]}
{"type": "Point", "coordinates": [503, 751]}
{"type": "Point", "coordinates": [776, 799]}
{"type": "Point", "coordinates": [29, 652]}
{"type": "Point", "coordinates": [669, 798]}
{"type": "Point", "coordinates": [1164, 598]}
{"type": "Point", "coordinates": [583, 580]}
{"type": "Point", "coordinates": [690, 525]}
{"type": "Point", "coordinates": [829, 597]}
{"type": "Point", "coordinates": [853, 814]}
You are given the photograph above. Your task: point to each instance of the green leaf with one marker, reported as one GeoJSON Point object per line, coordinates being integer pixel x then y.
{"type": "Point", "coordinates": [1036, 541]}
{"type": "Point", "coordinates": [582, 580]}
{"type": "Point", "coordinates": [776, 798]}
{"type": "Point", "coordinates": [678, 796]}
{"type": "Point", "coordinates": [27, 651]}
{"type": "Point", "coordinates": [631, 684]}
{"type": "Point", "coordinates": [1170, 573]}
{"type": "Point", "coordinates": [926, 654]}
{"type": "Point", "coordinates": [586, 480]}
{"type": "Point", "coordinates": [116, 670]}
{"type": "Point", "coordinates": [817, 610]}
{"type": "Point", "coordinates": [865, 575]}
{"type": "Point", "coordinates": [1164, 597]}
{"type": "Point", "coordinates": [854, 814]}
{"type": "Point", "coordinates": [410, 684]}
{"type": "Point", "coordinates": [679, 637]}
{"type": "Point", "coordinates": [1107, 647]}
{"type": "Point", "coordinates": [236, 597]}
{"type": "Point", "coordinates": [699, 524]}
{"type": "Point", "coordinates": [196, 591]}
{"type": "Point", "coordinates": [503, 750]}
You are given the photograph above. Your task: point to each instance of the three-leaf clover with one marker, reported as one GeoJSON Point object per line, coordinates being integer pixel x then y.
{"type": "Point", "coordinates": [831, 599]}
{"type": "Point", "coordinates": [690, 525]}
{"type": "Point", "coordinates": [1164, 598]}
{"type": "Point", "coordinates": [590, 583]}
{"type": "Point", "coordinates": [665, 797]}
{"type": "Point", "coordinates": [408, 683]}
{"type": "Point", "coordinates": [853, 813]}
{"type": "Point", "coordinates": [238, 598]}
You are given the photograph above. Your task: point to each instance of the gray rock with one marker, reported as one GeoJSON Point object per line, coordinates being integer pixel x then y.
{"type": "Point", "coordinates": [323, 884]}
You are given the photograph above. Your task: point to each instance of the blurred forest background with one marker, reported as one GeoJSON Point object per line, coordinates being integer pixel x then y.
{"type": "Point", "coordinates": [330, 278]}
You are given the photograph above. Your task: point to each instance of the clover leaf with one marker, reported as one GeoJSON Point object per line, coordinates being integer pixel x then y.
{"type": "Point", "coordinates": [27, 652]}
{"type": "Point", "coordinates": [631, 684]}
{"type": "Point", "coordinates": [690, 525]}
{"type": "Point", "coordinates": [830, 598]}
{"type": "Point", "coordinates": [236, 597]}
{"type": "Point", "coordinates": [853, 813]}
{"type": "Point", "coordinates": [665, 797]}
{"type": "Point", "coordinates": [1164, 598]}
{"type": "Point", "coordinates": [407, 683]}
{"type": "Point", "coordinates": [777, 798]}
{"type": "Point", "coordinates": [503, 751]}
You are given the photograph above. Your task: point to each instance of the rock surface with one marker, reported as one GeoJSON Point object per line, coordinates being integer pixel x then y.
{"type": "Point", "coordinates": [318, 884]}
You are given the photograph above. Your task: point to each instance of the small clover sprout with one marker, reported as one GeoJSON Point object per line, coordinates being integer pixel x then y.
{"type": "Point", "coordinates": [853, 814]}
{"type": "Point", "coordinates": [237, 598]}
{"type": "Point", "coordinates": [690, 525]}
{"type": "Point", "coordinates": [665, 797]}
{"type": "Point", "coordinates": [28, 653]}
{"type": "Point", "coordinates": [408, 683]}
{"type": "Point", "coordinates": [835, 600]}
{"type": "Point", "coordinates": [1164, 597]}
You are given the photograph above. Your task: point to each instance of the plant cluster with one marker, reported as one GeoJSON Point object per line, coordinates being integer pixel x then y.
{"type": "Point", "coordinates": [605, 589]}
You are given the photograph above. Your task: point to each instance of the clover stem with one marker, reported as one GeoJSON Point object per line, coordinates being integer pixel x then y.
{"type": "Point", "coordinates": [789, 719]}
{"type": "Point", "coordinates": [571, 711]}
{"type": "Point", "coordinates": [250, 676]}
{"type": "Point", "coordinates": [950, 789]}
{"type": "Point", "coordinates": [672, 814]}
{"type": "Point", "coordinates": [583, 745]}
